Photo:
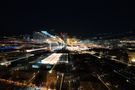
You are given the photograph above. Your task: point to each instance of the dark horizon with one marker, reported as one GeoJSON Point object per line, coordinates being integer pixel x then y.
{"type": "Point", "coordinates": [73, 18]}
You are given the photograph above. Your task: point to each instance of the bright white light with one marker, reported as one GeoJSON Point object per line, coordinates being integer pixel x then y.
{"type": "Point", "coordinates": [50, 71]}
{"type": "Point", "coordinates": [31, 50]}
{"type": "Point", "coordinates": [99, 57]}
{"type": "Point", "coordinates": [52, 59]}
{"type": "Point", "coordinates": [133, 59]}
{"type": "Point", "coordinates": [35, 66]}
{"type": "Point", "coordinates": [46, 33]}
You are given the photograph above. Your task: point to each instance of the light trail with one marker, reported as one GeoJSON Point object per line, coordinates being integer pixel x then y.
{"type": "Point", "coordinates": [33, 77]}
{"type": "Point", "coordinates": [17, 83]}
{"type": "Point", "coordinates": [103, 82]}
{"type": "Point", "coordinates": [24, 57]}
{"type": "Point", "coordinates": [32, 50]}
{"type": "Point", "coordinates": [62, 78]}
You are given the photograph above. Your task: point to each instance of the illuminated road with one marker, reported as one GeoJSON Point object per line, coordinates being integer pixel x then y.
{"type": "Point", "coordinates": [52, 59]}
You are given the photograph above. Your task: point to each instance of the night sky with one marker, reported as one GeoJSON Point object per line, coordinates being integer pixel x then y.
{"type": "Point", "coordinates": [78, 17]}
